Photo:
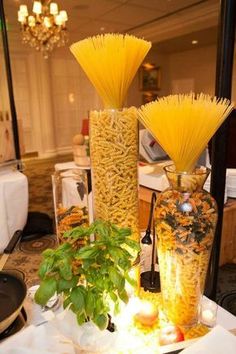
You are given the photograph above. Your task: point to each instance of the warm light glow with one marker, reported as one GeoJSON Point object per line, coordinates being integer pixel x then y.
{"type": "Point", "coordinates": [194, 41]}
{"type": "Point", "coordinates": [31, 21]}
{"type": "Point", "coordinates": [71, 97]}
{"type": "Point", "coordinates": [24, 10]}
{"type": "Point", "coordinates": [37, 7]}
{"type": "Point", "coordinates": [58, 20]}
{"type": "Point", "coordinates": [45, 28]}
{"type": "Point", "coordinates": [148, 66]}
{"type": "Point", "coordinates": [21, 18]}
{"type": "Point", "coordinates": [53, 8]}
{"type": "Point", "coordinates": [47, 22]}
{"type": "Point", "coordinates": [207, 315]}
{"type": "Point", "coordinates": [147, 308]}
{"type": "Point", "coordinates": [63, 15]}
{"type": "Point", "coordinates": [147, 313]}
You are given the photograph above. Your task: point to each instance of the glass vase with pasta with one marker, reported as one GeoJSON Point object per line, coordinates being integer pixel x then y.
{"type": "Point", "coordinates": [186, 217]}
{"type": "Point", "coordinates": [185, 214]}
{"type": "Point", "coordinates": [111, 62]}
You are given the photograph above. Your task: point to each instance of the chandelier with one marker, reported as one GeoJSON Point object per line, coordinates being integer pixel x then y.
{"type": "Point", "coordinates": [45, 28]}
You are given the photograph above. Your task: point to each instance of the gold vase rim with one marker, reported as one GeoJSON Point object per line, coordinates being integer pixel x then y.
{"type": "Point", "coordinates": [198, 170]}
{"type": "Point", "coordinates": [112, 109]}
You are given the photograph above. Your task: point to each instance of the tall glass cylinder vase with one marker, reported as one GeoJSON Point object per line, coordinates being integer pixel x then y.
{"type": "Point", "coordinates": [114, 161]}
{"type": "Point", "coordinates": [185, 217]}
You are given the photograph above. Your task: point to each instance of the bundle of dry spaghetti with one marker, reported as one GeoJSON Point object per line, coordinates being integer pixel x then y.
{"type": "Point", "coordinates": [111, 61]}
{"type": "Point", "coordinates": [183, 125]}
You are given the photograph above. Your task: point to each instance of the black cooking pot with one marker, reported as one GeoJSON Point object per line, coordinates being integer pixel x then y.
{"type": "Point", "coordinates": [12, 295]}
{"type": "Point", "coordinates": [12, 289]}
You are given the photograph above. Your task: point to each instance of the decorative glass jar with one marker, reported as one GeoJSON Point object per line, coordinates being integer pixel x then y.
{"type": "Point", "coordinates": [70, 194]}
{"type": "Point", "coordinates": [114, 161]}
{"type": "Point", "coordinates": [185, 218]}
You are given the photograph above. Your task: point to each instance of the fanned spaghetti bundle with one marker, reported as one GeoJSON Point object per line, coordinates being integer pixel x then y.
{"type": "Point", "coordinates": [111, 61]}
{"type": "Point", "coordinates": [183, 125]}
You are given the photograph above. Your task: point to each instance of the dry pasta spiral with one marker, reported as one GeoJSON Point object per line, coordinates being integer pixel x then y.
{"type": "Point", "coordinates": [114, 156]}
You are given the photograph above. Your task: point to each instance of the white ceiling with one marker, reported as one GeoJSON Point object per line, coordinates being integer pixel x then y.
{"type": "Point", "coordinates": [150, 19]}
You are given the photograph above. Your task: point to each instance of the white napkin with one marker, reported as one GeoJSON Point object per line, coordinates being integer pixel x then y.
{"type": "Point", "coordinates": [218, 341]}
{"type": "Point", "coordinates": [37, 340]}
{"type": "Point", "coordinates": [87, 336]}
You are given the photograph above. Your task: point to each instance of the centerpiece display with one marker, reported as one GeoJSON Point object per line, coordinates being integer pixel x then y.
{"type": "Point", "coordinates": [185, 214]}
{"type": "Point", "coordinates": [111, 61]}
{"type": "Point", "coordinates": [92, 277]}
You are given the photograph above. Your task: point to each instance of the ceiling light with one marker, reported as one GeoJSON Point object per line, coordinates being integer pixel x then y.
{"type": "Point", "coordinates": [148, 66]}
{"type": "Point", "coordinates": [194, 41]}
{"type": "Point", "coordinates": [45, 28]}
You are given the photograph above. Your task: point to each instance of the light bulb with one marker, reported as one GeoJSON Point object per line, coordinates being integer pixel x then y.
{"type": "Point", "coordinates": [47, 22]}
{"type": "Point", "coordinates": [24, 10]}
{"type": "Point", "coordinates": [63, 15]}
{"type": "Point", "coordinates": [37, 7]}
{"type": "Point", "coordinates": [53, 8]}
{"type": "Point", "coordinates": [58, 20]}
{"type": "Point", "coordinates": [21, 18]}
{"type": "Point", "coordinates": [31, 21]}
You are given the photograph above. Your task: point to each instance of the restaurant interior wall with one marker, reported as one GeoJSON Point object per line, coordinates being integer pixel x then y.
{"type": "Point", "coordinates": [193, 70]}
{"type": "Point", "coordinates": [53, 96]}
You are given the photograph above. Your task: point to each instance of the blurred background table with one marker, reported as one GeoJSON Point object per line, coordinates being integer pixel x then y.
{"type": "Point", "coordinates": [13, 204]}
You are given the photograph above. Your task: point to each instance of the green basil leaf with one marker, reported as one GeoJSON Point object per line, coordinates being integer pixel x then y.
{"type": "Point", "coordinates": [46, 290]}
{"type": "Point", "coordinates": [77, 299]}
{"type": "Point", "coordinates": [65, 269]}
{"type": "Point", "coordinates": [99, 306]}
{"type": "Point", "coordinates": [89, 304]}
{"type": "Point", "coordinates": [113, 296]}
{"type": "Point", "coordinates": [66, 302]}
{"type": "Point", "coordinates": [48, 252]}
{"type": "Point", "coordinates": [124, 296]}
{"type": "Point", "coordinates": [124, 263]}
{"type": "Point", "coordinates": [87, 263]}
{"type": "Point", "coordinates": [87, 252]}
{"type": "Point", "coordinates": [117, 279]}
{"type": "Point", "coordinates": [130, 280]}
{"type": "Point", "coordinates": [64, 247]}
{"type": "Point", "coordinates": [116, 253]}
{"type": "Point", "coordinates": [101, 321]}
{"type": "Point", "coordinates": [80, 318]}
{"type": "Point", "coordinates": [116, 308]}
{"type": "Point", "coordinates": [45, 267]}
{"type": "Point", "coordinates": [126, 231]}
{"type": "Point", "coordinates": [63, 284]}
{"type": "Point", "coordinates": [133, 244]}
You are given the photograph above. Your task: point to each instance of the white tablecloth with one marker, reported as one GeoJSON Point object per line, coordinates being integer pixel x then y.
{"type": "Point", "coordinates": [13, 204]}
{"type": "Point", "coordinates": [56, 336]}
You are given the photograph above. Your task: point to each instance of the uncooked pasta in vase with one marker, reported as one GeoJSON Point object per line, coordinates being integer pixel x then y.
{"type": "Point", "coordinates": [114, 154]}
{"type": "Point", "coordinates": [186, 217]}
{"type": "Point", "coordinates": [111, 61]}
{"type": "Point", "coordinates": [185, 214]}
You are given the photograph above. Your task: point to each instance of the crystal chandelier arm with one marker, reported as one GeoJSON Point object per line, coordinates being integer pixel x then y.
{"type": "Point", "coordinates": [45, 28]}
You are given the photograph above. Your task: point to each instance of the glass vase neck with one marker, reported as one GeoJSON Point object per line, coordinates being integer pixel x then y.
{"type": "Point", "coordinates": [187, 181]}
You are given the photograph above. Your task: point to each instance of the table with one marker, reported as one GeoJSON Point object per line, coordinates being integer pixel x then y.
{"type": "Point", "coordinates": [36, 336]}
{"type": "Point", "coordinates": [13, 204]}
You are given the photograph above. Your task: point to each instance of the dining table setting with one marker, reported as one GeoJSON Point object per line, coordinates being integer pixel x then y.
{"type": "Point", "coordinates": [53, 329]}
